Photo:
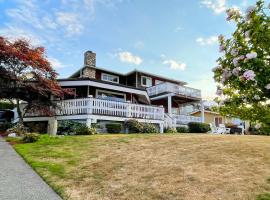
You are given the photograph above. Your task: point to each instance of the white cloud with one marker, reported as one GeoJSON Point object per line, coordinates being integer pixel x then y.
{"type": "Point", "coordinates": [70, 21]}
{"type": "Point", "coordinates": [13, 33]}
{"type": "Point", "coordinates": [207, 41]}
{"type": "Point", "coordinates": [56, 64]}
{"type": "Point", "coordinates": [175, 65]}
{"type": "Point", "coordinates": [218, 6]}
{"type": "Point", "coordinates": [128, 57]}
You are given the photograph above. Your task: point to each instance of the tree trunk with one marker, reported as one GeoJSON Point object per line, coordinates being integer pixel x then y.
{"type": "Point", "coordinates": [52, 126]}
{"type": "Point", "coordinates": [19, 113]}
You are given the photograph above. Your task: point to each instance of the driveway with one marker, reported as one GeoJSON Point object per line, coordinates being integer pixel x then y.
{"type": "Point", "coordinates": [18, 181]}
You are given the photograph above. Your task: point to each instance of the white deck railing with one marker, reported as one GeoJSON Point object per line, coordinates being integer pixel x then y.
{"type": "Point", "coordinates": [173, 88]}
{"type": "Point", "coordinates": [185, 119]}
{"type": "Point", "coordinates": [92, 106]}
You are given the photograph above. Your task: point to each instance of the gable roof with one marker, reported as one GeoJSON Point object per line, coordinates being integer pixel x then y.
{"type": "Point", "coordinates": [206, 111]}
{"type": "Point", "coordinates": [77, 73]}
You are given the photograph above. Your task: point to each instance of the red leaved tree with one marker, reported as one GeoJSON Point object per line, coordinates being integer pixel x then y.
{"type": "Point", "coordinates": [26, 75]}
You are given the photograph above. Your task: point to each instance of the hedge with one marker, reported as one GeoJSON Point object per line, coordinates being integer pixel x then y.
{"type": "Point", "coordinates": [197, 127]}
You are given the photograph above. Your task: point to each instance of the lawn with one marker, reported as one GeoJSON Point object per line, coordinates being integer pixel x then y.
{"type": "Point", "coordinates": [164, 166]}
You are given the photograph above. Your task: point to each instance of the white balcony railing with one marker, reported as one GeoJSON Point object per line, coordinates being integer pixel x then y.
{"type": "Point", "coordinates": [185, 119]}
{"type": "Point", "coordinates": [94, 106]}
{"type": "Point", "coordinates": [173, 88]}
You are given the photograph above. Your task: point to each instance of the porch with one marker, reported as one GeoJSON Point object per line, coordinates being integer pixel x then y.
{"type": "Point", "coordinates": [91, 109]}
{"type": "Point", "coordinates": [175, 99]}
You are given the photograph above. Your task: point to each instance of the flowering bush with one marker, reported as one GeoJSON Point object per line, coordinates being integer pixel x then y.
{"type": "Point", "coordinates": [243, 71]}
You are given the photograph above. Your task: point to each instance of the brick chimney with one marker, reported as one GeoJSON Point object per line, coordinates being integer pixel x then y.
{"type": "Point", "coordinates": [89, 59]}
{"type": "Point", "coordinates": [89, 65]}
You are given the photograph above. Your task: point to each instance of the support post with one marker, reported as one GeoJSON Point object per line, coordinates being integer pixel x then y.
{"type": "Point", "coordinates": [52, 126]}
{"type": "Point", "coordinates": [161, 127]}
{"type": "Point", "coordinates": [202, 111]}
{"type": "Point", "coordinates": [88, 122]}
{"type": "Point", "coordinates": [169, 105]}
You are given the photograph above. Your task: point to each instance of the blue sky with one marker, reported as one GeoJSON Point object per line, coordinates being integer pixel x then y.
{"type": "Point", "coordinates": [173, 38]}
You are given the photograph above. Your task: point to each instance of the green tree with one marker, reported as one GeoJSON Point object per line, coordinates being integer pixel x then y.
{"type": "Point", "coordinates": [243, 71]}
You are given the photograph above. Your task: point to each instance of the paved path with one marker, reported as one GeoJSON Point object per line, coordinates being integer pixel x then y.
{"type": "Point", "coordinates": [18, 181]}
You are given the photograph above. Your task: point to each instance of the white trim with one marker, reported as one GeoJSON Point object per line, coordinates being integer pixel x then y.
{"type": "Point", "coordinates": [147, 77]}
{"type": "Point", "coordinates": [163, 96]}
{"type": "Point", "coordinates": [110, 92]}
{"type": "Point", "coordinates": [114, 76]}
{"type": "Point", "coordinates": [94, 117]}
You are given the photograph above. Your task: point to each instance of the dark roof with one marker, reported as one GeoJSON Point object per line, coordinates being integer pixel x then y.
{"type": "Point", "coordinates": [77, 73]}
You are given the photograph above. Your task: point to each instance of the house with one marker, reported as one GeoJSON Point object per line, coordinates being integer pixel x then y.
{"type": "Point", "coordinates": [217, 119]}
{"type": "Point", "coordinates": [102, 95]}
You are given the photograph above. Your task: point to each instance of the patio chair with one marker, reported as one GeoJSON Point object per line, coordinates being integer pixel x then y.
{"type": "Point", "coordinates": [216, 130]}
{"type": "Point", "coordinates": [224, 129]}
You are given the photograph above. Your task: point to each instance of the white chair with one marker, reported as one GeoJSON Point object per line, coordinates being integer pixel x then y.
{"type": "Point", "coordinates": [224, 129]}
{"type": "Point", "coordinates": [216, 130]}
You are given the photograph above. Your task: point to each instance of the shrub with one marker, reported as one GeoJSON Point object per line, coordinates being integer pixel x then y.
{"type": "Point", "coordinates": [197, 127]}
{"type": "Point", "coordinates": [264, 130]}
{"type": "Point", "coordinates": [30, 137]}
{"type": "Point", "coordinates": [18, 129]}
{"type": "Point", "coordinates": [149, 128]}
{"type": "Point", "coordinates": [170, 130]}
{"type": "Point", "coordinates": [6, 105]}
{"type": "Point", "coordinates": [84, 130]}
{"type": "Point", "coordinates": [182, 129]}
{"type": "Point", "coordinates": [68, 127]}
{"type": "Point", "coordinates": [114, 127]}
{"type": "Point", "coordinates": [5, 126]}
{"type": "Point", "coordinates": [37, 127]}
{"type": "Point", "coordinates": [134, 126]}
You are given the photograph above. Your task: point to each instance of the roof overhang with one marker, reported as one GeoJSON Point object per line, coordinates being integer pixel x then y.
{"type": "Point", "coordinates": [105, 86]}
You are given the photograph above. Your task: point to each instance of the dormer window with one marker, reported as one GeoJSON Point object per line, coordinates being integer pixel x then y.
{"type": "Point", "coordinates": [110, 78]}
{"type": "Point", "coordinates": [146, 81]}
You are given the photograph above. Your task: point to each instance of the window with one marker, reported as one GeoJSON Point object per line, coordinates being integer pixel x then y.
{"type": "Point", "coordinates": [109, 78]}
{"type": "Point", "coordinates": [158, 82]}
{"type": "Point", "coordinates": [218, 121]}
{"type": "Point", "coordinates": [108, 95]}
{"type": "Point", "coordinates": [146, 81]}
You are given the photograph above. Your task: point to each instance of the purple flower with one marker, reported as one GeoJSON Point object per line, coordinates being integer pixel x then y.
{"type": "Point", "coordinates": [233, 13]}
{"type": "Point", "coordinates": [221, 38]}
{"type": "Point", "coordinates": [234, 52]}
{"type": "Point", "coordinates": [257, 126]}
{"type": "Point", "coordinates": [235, 62]}
{"type": "Point", "coordinates": [221, 48]}
{"type": "Point", "coordinates": [251, 55]}
{"type": "Point", "coordinates": [249, 75]}
{"type": "Point", "coordinates": [256, 97]}
{"type": "Point", "coordinates": [219, 92]}
{"type": "Point", "coordinates": [236, 71]}
{"type": "Point", "coordinates": [250, 10]}
{"type": "Point", "coordinates": [267, 86]}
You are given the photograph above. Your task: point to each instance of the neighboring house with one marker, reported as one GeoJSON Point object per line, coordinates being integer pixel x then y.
{"type": "Point", "coordinates": [105, 95]}
{"type": "Point", "coordinates": [216, 119]}
{"type": "Point", "coordinates": [213, 117]}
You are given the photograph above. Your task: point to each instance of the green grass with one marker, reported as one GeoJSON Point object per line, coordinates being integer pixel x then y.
{"type": "Point", "coordinates": [153, 166]}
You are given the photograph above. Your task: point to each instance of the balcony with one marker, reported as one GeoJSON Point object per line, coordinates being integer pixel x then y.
{"type": "Point", "coordinates": [93, 106]}
{"type": "Point", "coordinates": [166, 88]}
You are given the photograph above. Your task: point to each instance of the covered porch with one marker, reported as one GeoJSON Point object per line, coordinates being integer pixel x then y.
{"type": "Point", "coordinates": [178, 101]}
